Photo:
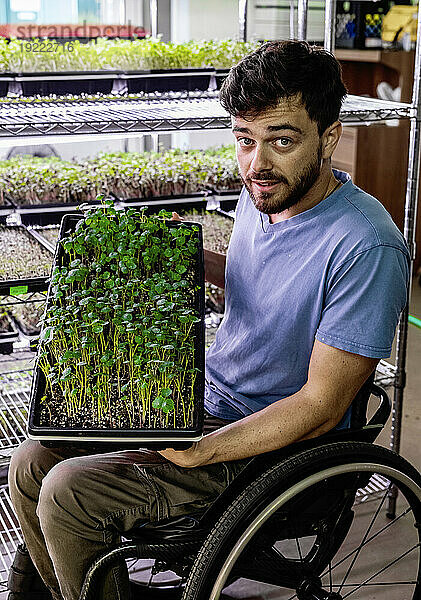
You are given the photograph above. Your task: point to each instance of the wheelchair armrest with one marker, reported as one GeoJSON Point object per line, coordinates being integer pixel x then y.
{"type": "Point", "coordinates": [383, 411]}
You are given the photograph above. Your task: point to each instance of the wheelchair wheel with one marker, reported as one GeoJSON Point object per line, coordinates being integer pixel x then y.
{"type": "Point", "coordinates": [316, 527]}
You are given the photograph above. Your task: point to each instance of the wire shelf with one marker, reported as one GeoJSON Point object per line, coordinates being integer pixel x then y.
{"type": "Point", "coordinates": [15, 388]}
{"type": "Point", "coordinates": [358, 109]}
{"type": "Point", "coordinates": [119, 116]}
{"type": "Point", "coordinates": [10, 535]}
{"type": "Point", "coordinates": [374, 490]}
{"type": "Point", "coordinates": [13, 299]}
{"type": "Point", "coordinates": [385, 374]}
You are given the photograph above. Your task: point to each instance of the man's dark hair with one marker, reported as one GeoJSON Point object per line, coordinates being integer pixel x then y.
{"type": "Point", "coordinates": [285, 69]}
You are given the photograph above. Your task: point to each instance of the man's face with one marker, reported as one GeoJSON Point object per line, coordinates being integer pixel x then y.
{"type": "Point", "coordinates": [279, 154]}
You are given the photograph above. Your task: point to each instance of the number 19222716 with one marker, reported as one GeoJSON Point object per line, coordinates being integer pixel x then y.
{"type": "Point", "coordinates": [47, 46]}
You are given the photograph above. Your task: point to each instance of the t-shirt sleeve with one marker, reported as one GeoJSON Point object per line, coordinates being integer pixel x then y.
{"type": "Point", "coordinates": [364, 298]}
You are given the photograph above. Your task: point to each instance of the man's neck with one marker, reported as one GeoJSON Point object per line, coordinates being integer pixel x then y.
{"type": "Point", "coordinates": [323, 187]}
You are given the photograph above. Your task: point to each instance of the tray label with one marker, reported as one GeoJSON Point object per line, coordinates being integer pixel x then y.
{"type": "Point", "coordinates": [18, 289]}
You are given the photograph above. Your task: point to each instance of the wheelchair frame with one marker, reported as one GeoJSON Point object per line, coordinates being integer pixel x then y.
{"type": "Point", "coordinates": [175, 542]}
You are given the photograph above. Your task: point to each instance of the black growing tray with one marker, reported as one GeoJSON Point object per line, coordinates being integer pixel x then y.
{"type": "Point", "coordinates": [7, 338]}
{"type": "Point", "coordinates": [124, 438]}
{"type": "Point", "coordinates": [14, 287]}
{"type": "Point", "coordinates": [165, 80]}
{"type": "Point", "coordinates": [52, 213]}
{"type": "Point", "coordinates": [226, 202]}
{"type": "Point", "coordinates": [4, 85]}
{"type": "Point", "coordinates": [220, 75]}
{"type": "Point", "coordinates": [66, 82]}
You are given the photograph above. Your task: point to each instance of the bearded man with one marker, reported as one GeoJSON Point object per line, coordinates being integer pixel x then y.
{"type": "Point", "coordinates": [315, 278]}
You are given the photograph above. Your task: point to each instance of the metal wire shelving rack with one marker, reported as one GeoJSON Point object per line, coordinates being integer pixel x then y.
{"type": "Point", "coordinates": [45, 120]}
{"type": "Point", "coordinates": [117, 116]}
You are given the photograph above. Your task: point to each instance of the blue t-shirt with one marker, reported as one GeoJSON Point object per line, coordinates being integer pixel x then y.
{"type": "Point", "coordinates": [337, 272]}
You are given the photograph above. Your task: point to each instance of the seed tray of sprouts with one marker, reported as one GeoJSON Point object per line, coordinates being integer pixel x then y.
{"type": "Point", "coordinates": [121, 356]}
{"type": "Point", "coordinates": [39, 181]}
{"type": "Point", "coordinates": [50, 233]}
{"type": "Point", "coordinates": [217, 231]}
{"type": "Point", "coordinates": [22, 257]}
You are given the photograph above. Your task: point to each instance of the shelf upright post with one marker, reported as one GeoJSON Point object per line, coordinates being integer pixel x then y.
{"type": "Point", "coordinates": [291, 19]}
{"type": "Point", "coordinates": [411, 201]}
{"type": "Point", "coordinates": [302, 19]}
{"type": "Point", "coordinates": [330, 25]}
{"type": "Point", "coordinates": [153, 10]}
{"type": "Point", "coordinates": [242, 19]}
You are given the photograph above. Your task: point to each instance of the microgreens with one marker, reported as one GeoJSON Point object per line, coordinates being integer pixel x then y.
{"type": "Point", "coordinates": [118, 339]}
{"type": "Point", "coordinates": [35, 180]}
{"type": "Point", "coordinates": [128, 55]}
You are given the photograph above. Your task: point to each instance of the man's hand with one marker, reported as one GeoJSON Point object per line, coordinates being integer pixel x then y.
{"type": "Point", "coordinates": [195, 456]}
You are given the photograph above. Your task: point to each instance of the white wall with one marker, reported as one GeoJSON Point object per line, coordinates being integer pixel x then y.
{"type": "Point", "coordinates": [200, 20]}
{"type": "Point", "coordinates": [203, 19]}
{"type": "Point", "coordinates": [88, 149]}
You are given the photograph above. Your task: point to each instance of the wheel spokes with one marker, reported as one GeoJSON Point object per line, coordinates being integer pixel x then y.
{"type": "Point", "coordinates": [382, 571]}
{"type": "Point", "coordinates": [405, 512]}
{"type": "Point", "coordinates": [357, 553]}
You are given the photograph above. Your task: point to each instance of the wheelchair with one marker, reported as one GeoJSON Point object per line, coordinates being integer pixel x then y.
{"type": "Point", "coordinates": [309, 522]}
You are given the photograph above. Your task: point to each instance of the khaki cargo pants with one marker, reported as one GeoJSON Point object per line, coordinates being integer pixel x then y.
{"type": "Point", "coordinates": [72, 506]}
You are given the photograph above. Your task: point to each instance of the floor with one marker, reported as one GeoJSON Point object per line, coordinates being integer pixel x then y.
{"type": "Point", "coordinates": [410, 449]}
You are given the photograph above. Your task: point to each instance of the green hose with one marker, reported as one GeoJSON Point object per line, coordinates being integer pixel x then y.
{"type": "Point", "coordinates": [414, 321]}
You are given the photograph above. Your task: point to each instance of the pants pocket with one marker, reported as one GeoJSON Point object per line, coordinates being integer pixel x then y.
{"type": "Point", "coordinates": [174, 491]}
{"type": "Point", "coordinates": [158, 506]}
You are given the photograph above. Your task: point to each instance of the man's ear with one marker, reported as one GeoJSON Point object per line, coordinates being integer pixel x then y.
{"type": "Point", "coordinates": [330, 138]}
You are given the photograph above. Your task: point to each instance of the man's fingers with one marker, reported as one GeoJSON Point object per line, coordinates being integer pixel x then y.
{"type": "Point", "coordinates": [176, 217]}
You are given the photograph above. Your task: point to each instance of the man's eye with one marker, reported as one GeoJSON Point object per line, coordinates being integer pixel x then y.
{"type": "Point", "coordinates": [283, 142]}
{"type": "Point", "coordinates": [244, 141]}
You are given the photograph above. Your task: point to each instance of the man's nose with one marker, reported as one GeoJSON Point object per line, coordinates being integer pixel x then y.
{"type": "Point", "coordinates": [261, 160]}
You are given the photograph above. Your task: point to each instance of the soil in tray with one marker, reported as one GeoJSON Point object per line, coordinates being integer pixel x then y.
{"type": "Point", "coordinates": [122, 339]}
{"type": "Point", "coordinates": [22, 257]}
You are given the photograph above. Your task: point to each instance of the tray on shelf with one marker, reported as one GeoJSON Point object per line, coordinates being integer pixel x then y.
{"type": "Point", "coordinates": [10, 285]}
{"type": "Point", "coordinates": [4, 85]}
{"type": "Point", "coordinates": [8, 337]}
{"type": "Point", "coordinates": [157, 435]}
{"type": "Point", "coordinates": [51, 214]}
{"type": "Point", "coordinates": [195, 201]}
{"type": "Point", "coordinates": [11, 334]}
{"type": "Point", "coordinates": [220, 75]}
{"type": "Point", "coordinates": [227, 199]}
{"type": "Point", "coordinates": [168, 80]}
{"type": "Point", "coordinates": [66, 82]}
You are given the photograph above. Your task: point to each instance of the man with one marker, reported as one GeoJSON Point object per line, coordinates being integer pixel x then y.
{"type": "Point", "coordinates": [315, 278]}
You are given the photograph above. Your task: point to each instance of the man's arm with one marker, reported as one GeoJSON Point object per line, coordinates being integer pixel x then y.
{"type": "Point", "coordinates": [215, 268]}
{"type": "Point", "coordinates": [334, 378]}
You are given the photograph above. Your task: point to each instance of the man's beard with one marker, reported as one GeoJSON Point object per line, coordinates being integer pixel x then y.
{"type": "Point", "coordinates": [267, 202]}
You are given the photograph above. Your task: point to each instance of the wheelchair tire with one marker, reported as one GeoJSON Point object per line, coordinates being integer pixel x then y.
{"type": "Point", "coordinates": [323, 502]}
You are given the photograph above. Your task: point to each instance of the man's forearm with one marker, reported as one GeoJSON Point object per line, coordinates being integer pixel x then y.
{"type": "Point", "coordinates": [215, 268]}
{"type": "Point", "coordinates": [270, 428]}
